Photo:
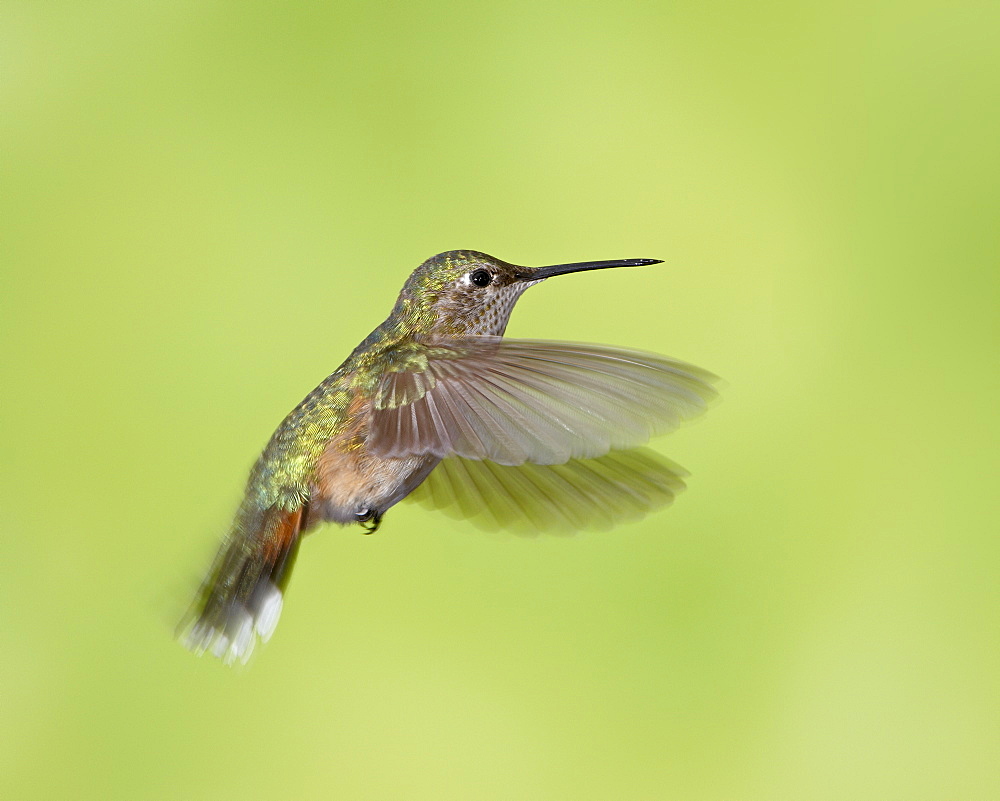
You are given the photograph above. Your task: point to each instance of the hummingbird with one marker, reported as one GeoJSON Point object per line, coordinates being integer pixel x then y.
{"type": "Point", "coordinates": [436, 405]}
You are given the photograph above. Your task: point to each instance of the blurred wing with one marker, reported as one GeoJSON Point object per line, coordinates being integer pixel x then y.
{"type": "Point", "coordinates": [516, 401]}
{"type": "Point", "coordinates": [583, 493]}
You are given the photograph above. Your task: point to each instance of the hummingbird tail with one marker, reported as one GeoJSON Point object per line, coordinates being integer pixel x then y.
{"type": "Point", "coordinates": [242, 596]}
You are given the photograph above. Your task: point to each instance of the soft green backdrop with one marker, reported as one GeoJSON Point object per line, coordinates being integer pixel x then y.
{"type": "Point", "coordinates": [206, 205]}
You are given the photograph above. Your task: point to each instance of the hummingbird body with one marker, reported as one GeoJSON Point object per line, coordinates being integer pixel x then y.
{"type": "Point", "coordinates": [530, 433]}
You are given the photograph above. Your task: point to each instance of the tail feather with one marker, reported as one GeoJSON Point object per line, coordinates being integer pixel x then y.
{"type": "Point", "coordinates": [242, 596]}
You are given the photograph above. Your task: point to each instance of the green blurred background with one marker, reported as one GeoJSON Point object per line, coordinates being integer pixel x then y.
{"type": "Point", "coordinates": [205, 206]}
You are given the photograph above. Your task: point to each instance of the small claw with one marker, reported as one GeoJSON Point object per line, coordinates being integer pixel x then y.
{"type": "Point", "coordinates": [371, 522]}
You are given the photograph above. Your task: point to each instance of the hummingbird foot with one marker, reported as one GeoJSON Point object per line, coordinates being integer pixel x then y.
{"type": "Point", "coordinates": [370, 520]}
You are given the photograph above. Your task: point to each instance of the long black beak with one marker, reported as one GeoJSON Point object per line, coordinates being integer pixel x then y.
{"type": "Point", "coordinates": [538, 273]}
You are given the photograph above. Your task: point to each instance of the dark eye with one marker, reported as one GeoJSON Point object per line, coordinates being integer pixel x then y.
{"type": "Point", "coordinates": [481, 278]}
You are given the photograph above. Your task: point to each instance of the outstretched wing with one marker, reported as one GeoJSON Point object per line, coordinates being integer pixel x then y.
{"type": "Point", "coordinates": [582, 493]}
{"type": "Point", "coordinates": [518, 401]}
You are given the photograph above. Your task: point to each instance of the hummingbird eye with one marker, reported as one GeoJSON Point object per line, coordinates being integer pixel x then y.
{"type": "Point", "coordinates": [481, 278]}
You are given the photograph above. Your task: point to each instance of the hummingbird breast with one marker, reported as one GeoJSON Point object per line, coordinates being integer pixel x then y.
{"type": "Point", "coordinates": [351, 482]}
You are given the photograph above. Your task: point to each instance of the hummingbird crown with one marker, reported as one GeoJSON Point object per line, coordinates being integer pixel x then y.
{"type": "Point", "coordinates": [463, 293]}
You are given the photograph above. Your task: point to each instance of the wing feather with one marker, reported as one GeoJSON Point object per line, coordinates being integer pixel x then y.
{"type": "Point", "coordinates": [532, 498]}
{"type": "Point", "coordinates": [519, 401]}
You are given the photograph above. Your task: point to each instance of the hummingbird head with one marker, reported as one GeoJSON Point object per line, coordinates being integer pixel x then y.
{"type": "Point", "coordinates": [468, 293]}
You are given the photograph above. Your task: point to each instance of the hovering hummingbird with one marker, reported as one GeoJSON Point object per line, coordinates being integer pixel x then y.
{"type": "Point", "coordinates": [434, 404]}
